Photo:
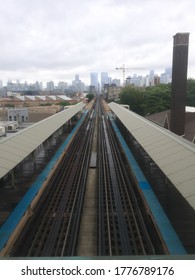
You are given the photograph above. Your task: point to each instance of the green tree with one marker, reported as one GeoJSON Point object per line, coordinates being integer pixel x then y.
{"type": "Point", "coordinates": [90, 96]}
{"type": "Point", "coordinates": [63, 103]}
{"type": "Point", "coordinates": [134, 97]}
{"type": "Point", "coordinates": [154, 99]}
{"type": "Point", "coordinates": [190, 94]}
{"type": "Point", "coordinates": [9, 105]}
{"type": "Point", "coordinates": [148, 100]}
{"type": "Point", "coordinates": [157, 99]}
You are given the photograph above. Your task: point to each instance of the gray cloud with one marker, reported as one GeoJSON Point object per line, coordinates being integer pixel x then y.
{"type": "Point", "coordinates": [47, 39]}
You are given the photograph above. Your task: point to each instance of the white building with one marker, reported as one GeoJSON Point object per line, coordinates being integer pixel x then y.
{"type": "Point", "coordinates": [62, 86]}
{"type": "Point", "coordinates": [19, 115]}
{"type": "Point", "coordinates": [50, 86]}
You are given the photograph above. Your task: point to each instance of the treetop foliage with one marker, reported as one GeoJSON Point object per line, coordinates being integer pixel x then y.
{"type": "Point", "coordinates": [90, 96]}
{"type": "Point", "coordinates": [154, 99]}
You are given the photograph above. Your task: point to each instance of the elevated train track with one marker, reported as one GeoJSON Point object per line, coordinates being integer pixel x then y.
{"type": "Point", "coordinates": [53, 228]}
{"type": "Point", "coordinates": [122, 230]}
{"type": "Point", "coordinates": [123, 225]}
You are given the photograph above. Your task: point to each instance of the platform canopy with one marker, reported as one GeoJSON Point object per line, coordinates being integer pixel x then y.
{"type": "Point", "coordinates": [15, 148]}
{"type": "Point", "coordinates": [174, 155]}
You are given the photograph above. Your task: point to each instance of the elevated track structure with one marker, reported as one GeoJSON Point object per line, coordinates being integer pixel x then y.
{"type": "Point", "coordinates": [126, 222]}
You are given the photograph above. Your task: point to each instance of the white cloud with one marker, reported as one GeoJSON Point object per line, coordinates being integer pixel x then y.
{"type": "Point", "coordinates": [55, 39]}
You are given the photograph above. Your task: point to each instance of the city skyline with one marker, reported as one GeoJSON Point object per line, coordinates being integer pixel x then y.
{"type": "Point", "coordinates": [95, 79]}
{"type": "Point", "coordinates": [44, 40]}
{"type": "Point", "coordinates": [86, 79]}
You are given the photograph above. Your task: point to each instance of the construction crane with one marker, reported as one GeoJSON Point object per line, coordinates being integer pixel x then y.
{"type": "Point", "coordinates": [127, 68]}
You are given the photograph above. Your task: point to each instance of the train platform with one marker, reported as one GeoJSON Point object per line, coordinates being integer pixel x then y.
{"type": "Point", "coordinates": [168, 237]}
{"type": "Point", "coordinates": [167, 231]}
{"type": "Point", "coordinates": [24, 208]}
{"type": "Point", "coordinates": [168, 162]}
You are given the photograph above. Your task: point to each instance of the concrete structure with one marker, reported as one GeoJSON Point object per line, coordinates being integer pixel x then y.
{"type": "Point", "coordinates": [179, 82]}
{"type": "Point", "coordinates": [111, 92]}
{"type": "Point", "coordinates": [34, 100]}
{"type": "Point", "coordinates": [19, 115]}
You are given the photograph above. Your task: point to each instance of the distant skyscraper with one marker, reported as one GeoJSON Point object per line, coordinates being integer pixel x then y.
{"type": "Point", "coordinates": [151, 78]}
{"type": "Point", "coordinates": [37, 85]}
{"type": "Point", "coordinates": [50, 86]}
{"type": "Point", "coordinates": [116, 82]}
{"type": "Point", "coordinates": [1, 84]}
{"type": "Point", "coordinates": [62, 86]}
{"type": "Point", "coordinates": [94, 80]}
{"type": "Point", "coordinates": [152, 73]}
{"type": "Point", "coordinates": [41, 85]}
{"type": "Point", "coordinates": [78, 84]}
{"type": "Point", "coordinates": [109, 80]}
{"type": "Point", "coordinates": [168, 71]}
{"type": "Point", "coordinates": [164, 78]}
{"type": "Point", "coordinates": [104, 79]}
{"type": "Point", "coordinates": [9, 82]}
{"type": "Point", "coordinates": [77, 78]}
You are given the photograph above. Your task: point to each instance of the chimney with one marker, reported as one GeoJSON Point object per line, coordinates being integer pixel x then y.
{"type": "Point", "coordinates": [179, 82]}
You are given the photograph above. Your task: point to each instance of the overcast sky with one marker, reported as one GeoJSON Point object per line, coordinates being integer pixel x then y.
{"type": "Point", "coordinates": [55, 39]}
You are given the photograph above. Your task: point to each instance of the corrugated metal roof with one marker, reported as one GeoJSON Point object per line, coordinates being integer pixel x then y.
{"type": "Point", "coordinates": [15, 148]}
{"type": "Point", "coordinates": [42, 97]}
{"type": "Point", "coordinates": [20, 97]}
{"type": "Point", "coordinates": [53, 97]}
{"type": "Point", "coordinates": [174, 155]}
{"type": "Point", "coordinates": [31, 97]}
{"type": "Point", "coordinates": [64, 97]}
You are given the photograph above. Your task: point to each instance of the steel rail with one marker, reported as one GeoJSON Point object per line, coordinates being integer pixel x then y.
{"type": "Point", "coordinates": [108, 232]}
{"type": "Point", "coordinates": [74, 221]}
{"type": "Point", "coordinates": [78, 184]}
{"type": "Point", "coordinates": [104, 221]}
{"type": "Point", "coordinates": [56, 203]}
{"type": "Point", "coordinates": [123, 231]}
{"type": "Point", "coordinates": [126, 234]}
{"type": "Point", "coordinates": [54, 227]}
{"type": "Point", "coordinates": [137, 229]}
{"type": "Point", "coordinates": [42, 241]}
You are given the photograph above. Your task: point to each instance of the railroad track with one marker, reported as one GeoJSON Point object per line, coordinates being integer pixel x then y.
{"type": "Point", "coordinates": [122, 230]}
{"type": "Point", "coordinates": [53, 228]}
